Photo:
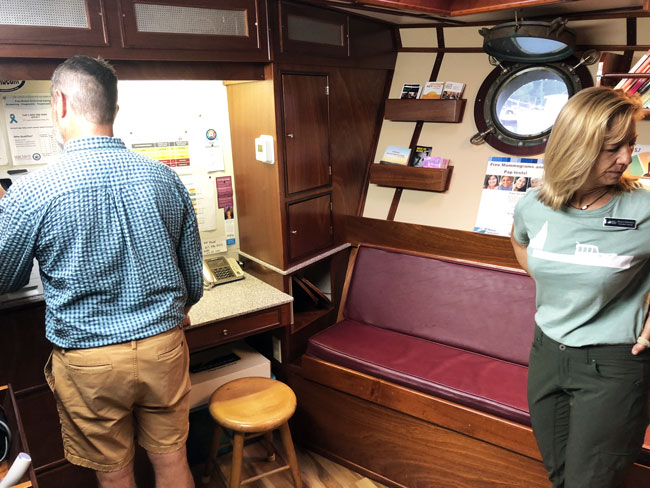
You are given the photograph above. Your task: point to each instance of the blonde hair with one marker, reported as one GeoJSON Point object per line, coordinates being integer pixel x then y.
{"type": "Point", "coordinates": [591, 119]}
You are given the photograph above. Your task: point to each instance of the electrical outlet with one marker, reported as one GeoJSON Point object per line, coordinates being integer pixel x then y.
{"type": "Point", "coordinates": [277, 349]}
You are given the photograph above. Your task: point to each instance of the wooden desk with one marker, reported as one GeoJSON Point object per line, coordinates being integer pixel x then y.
{"type": "Point", "coordinates": [225, 313]}
{"type": "Point", "coordinates": [236, 310]}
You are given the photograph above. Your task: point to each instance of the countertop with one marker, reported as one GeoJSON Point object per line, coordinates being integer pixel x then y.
{"type": "Point", "coordinates": [234, 299]}
{"type": "Point", "coordinates": [221, 302]}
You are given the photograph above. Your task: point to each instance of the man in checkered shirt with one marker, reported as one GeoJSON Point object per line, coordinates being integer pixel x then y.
{"type": "Point", "coordinates": [118, 247]}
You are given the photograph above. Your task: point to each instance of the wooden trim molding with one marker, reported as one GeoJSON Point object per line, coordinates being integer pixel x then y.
{"type": "Point", "coordinates": [429, 240]}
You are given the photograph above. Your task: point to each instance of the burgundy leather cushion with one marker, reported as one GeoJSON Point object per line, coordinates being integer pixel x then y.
{"type": "Point", "coordinates": [468, 378]}
{"type": "Point", "coordinates": [477, 308]}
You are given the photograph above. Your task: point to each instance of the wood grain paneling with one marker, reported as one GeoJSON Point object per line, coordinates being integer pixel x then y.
{"type": "Point", "coordinates": [252, 113]}
{"type": "Point", "coordinates": [468, 421]}
{"type": "Point", "coordinates": [310, 225]}
{"type": "Point", "coordinates": [23, 336]}
{"type": "Point", "coordinates": [431, 240]}
{"type": "Point", "coordinates": [306, 131]}
{"type": "Point", "coordinates": [356, 108]}
{"type": "Point", "coordinates": [223, 331]}
{"type": "Point", "coordinates": [425, 110]}
{"type": "Point", "coordinates": [396, 176]}
{"type": "Point", "coordinates": [112, 20]}
{"type": "Point", "coordinates": [403, 448]}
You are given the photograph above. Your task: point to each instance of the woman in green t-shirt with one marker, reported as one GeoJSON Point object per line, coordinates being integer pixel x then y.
{"type": "Point", "coordinates": [584, 236]}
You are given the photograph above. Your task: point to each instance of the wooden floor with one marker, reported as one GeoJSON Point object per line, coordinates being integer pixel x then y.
{"type": "Point", "coordinates": [316, 472]}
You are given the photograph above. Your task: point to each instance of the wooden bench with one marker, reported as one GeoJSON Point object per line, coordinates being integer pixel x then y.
{"type": "Point", "coordinates": [422, 381]}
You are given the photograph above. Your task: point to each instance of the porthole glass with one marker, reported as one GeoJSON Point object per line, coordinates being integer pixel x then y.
{"type": "Point", "coordinates": [536, 45]}
{"type": "Point", "coordinates": [528, 103]}
{"type": "Point", "coordinates": [517, 104]}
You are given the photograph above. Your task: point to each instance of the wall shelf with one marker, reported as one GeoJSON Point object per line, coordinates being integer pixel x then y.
{"type": "Point", "coordinates": [410, 177]}
{"type": "Point", "coordinates": [425, 110]}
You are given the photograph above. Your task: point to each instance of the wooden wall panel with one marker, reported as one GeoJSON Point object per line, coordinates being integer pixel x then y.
{"type": "Point", "coordinates": [252, 113]}
{"type": "Point", "coordinates": [407, 450]}
{"type": "Point", "coordinates": [431, 240]}
{"type": "Point", "coordinates": [23, 347]}
{"type": "Point", "coordinates": [356, 105]}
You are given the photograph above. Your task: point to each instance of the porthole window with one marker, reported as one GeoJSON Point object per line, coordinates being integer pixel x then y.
{"type": "Point", "coordinates": [516, 106]}
{"type": "Point", "coordinates": [535, 75]}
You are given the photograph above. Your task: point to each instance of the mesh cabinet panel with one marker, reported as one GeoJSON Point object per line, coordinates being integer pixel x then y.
{"type": "Point", "coordinates": [311, 30]}
{"type": "Point", "coordinates": [171, 19]}
{"type": "Point", "coordinates": [37, 13]}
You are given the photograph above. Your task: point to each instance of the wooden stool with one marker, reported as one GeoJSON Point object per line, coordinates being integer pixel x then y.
{"type": "Point", "coordinates": [252, 407]}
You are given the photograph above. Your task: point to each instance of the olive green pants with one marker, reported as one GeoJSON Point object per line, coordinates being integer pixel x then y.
{"type": "Point", "coordinates": [589, 410]}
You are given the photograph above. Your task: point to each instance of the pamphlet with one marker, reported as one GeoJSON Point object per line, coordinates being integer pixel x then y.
{"type": "Point", "coordinates": [452, 90]}
{"type": "Point", "coordinates": [411, 91]}
{"type": "Point", "coordinates": [396, 155]}
{"type": "Point", "coordinates": [433, 90]}
{"type": "Point", "coordinates": [419, 154]}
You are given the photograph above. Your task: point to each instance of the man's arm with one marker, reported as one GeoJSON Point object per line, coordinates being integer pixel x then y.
{"type": "Point", "coordinates": [189, 254]}
{"type": "Point", "coordinates": [17, 244]}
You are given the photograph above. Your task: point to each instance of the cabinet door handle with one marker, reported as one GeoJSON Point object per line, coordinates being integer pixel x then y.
{"type": "Point", "coordinates": [294, 231]}
{"type": "Point", "coordinates": [224, 332]}
{"type": "Point", "coordinates": [290, 135]}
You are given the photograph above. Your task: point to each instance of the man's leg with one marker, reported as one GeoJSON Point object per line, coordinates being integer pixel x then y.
{"type": "Point", "coordinates": [171, 469]}
{"type": "Point", "coordinates": [122, 478]}
{"type": "Point", "coordinates": [162, 407]}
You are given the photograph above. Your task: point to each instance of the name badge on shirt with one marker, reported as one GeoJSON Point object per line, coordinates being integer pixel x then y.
{"type": "Point", "coordinates": [624, 223]}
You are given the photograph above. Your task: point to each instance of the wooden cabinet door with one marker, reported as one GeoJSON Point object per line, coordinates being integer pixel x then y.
{"type": "Point", "coordinates": [306, 131]}
{"type": "Point", "coordinates": [317, 32]}
{"type": "Point", "coordinates": [310, 225]}
{"type": "Point", "coordinates": [55, 22]}
{"type": "Point", "coordinates": [215, 25]}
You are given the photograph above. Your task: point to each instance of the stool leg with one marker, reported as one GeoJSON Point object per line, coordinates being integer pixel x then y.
{"type": "Point", "coordinates": [285, 433]}
{"type": "Point", "coordinates": [237, 455]}
{"type": "Point", "coordinates": [212, 456]}
{"type": "Point", "coordinates": [270, 452]}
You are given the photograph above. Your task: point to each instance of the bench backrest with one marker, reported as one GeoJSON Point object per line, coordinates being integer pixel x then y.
{"type": "Point", "coordinates": [474, 307]}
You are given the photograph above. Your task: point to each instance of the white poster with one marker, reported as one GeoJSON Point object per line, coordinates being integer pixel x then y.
{"type": "Point", "coordinates": [506, 181]}
{"type": "Point", "coordinates": [203, 194]}
{"type": "Point", "coordinates": [29, 128]}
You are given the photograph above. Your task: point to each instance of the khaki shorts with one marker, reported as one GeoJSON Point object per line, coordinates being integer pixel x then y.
{"type": "Point", "coordinates": [108, 395]}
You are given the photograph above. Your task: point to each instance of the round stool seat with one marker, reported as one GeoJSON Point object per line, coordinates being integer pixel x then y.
{"type": "Point", "coordinates": [252, 404]}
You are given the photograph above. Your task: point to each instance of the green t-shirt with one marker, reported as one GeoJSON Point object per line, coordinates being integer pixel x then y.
{"type": "Point", "coordinates": [592, 279]}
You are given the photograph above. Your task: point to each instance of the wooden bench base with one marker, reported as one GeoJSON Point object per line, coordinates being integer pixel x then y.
{"type": "Point", "coordinates": [404, 438]}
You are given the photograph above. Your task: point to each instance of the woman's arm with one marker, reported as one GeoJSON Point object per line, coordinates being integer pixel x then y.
{"type": "Point", "coordinates": [522, 255]}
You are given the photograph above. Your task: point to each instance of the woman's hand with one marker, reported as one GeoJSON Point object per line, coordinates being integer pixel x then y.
{"type": "Point", "coordinates": [637, 348]}
{"type": "Point", "coordinates": [645, 334]}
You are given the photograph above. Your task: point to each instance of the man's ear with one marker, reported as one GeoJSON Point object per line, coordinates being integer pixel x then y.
{"type": "Point", "coordinates": [61, 101]}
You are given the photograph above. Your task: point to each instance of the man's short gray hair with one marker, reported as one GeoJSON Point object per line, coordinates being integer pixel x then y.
{"type": "Point", "coordinates": [90, 86]}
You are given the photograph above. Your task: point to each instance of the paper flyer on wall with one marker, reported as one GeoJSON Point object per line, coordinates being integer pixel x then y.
{"type": "Point", "coordinates": [640, 165]}
{"type": "Point", "coordinates": [29, 128]}
{"type": "Point", "coordinates": [506, 181]}
{"type": "Point", "coordinates": [173, 153]}
{"type": "Point", "coordinates": [202, 193]}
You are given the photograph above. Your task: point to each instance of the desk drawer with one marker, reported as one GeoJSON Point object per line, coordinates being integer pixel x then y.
{"type": "Point", "coordinates": [205, 336]}
{"type": "Point", "coordinates": [18, 441]}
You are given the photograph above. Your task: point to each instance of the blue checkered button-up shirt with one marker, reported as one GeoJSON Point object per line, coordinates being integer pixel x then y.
{"type": "Point", "coordinates": [116, 239]}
